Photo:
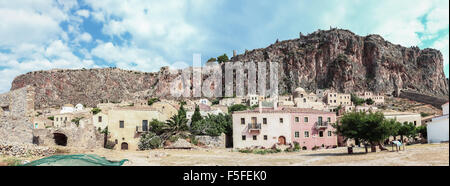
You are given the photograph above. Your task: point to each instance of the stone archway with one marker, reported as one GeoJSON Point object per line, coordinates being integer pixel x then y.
{"type": "Point", "coordinates": [124, 146]}
{"type": "Point", "coordinates": [60, 139]}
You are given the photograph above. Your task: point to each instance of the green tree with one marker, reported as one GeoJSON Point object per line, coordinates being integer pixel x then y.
{"type": "Point", "coordinates": [196, 116]}
{"type": "Point", "coordinates": [175, 125]}
{"type": "Point", "coordinates": [370, 101]}
{"type": "Point", "coordinates": [96, 111]}
{"type": "Point", "coordinates": [356, 100]}
{"type": "Point", "coordinates": [213, 125]}
{"type": "Point", "coordinates": [223, 58]}
{"type": "Point", "coordinates": [369, 128]}
{"type": "Point", "coordinates": [237, 107]}
{"type": "Point", "coordinates": [408, 130]}
{"type": "Point", "coordinates": [211, 60]}
{"type": "Point", "coordinates": [422, 130]}
{"type": "Point", "coordinates": [157, 127]}
{"type": "Point", "coordinates": [51, 118]}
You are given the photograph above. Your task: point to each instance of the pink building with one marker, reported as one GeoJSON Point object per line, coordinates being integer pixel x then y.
{"type": "Point", "coordinates": [265, 127]}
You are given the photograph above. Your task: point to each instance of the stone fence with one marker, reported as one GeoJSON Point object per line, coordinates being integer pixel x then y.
{"type": "Point", "coordinates": [432, 100]}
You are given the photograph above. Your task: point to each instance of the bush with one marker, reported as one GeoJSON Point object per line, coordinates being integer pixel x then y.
{"type": "Point", "coordinates": [296, 146]}
{"type": "Point", "coordinates": [96, 111]}
{"type": "Point", "coordinates": [149, 141]}
{"type": "Point", "coordinates": [152, 100]}
{"type": "Point", "coordinates": [51, 118]}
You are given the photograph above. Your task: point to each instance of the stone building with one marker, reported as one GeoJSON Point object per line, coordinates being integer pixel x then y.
{"type": "Point", "coordinates": [16, 113]}
{"type": "Point", "coordinates": [126, 125]}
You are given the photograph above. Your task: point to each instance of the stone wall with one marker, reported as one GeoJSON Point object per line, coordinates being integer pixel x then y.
{"type": "Point", "coordinates": [86, 136]}
{"type": "Point", "coordinates": [212, 141]}
{"type": "Point", "coordinates": [16, 110]}
{"type": "Point", "coordinates": [432, 100]}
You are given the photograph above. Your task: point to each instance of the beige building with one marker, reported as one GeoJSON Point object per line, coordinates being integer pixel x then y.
{"type": "Point", "coordinates": [166, 108]}
{"type": "Point", "coordinates": [402, 117]}
{"type": "Point", "coordinates": [336, 99]}
{"type": "Point", "coordinates": [128, 123]}
{"type": "Point", "coordinates": [303, 99]}
{"type": "Point", "coordinates": [100, 120]}
{"type": "Point", "coordinates": [377, 98]}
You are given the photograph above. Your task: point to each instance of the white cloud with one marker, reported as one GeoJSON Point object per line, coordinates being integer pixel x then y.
{"type": "Point", "coordinates": [83, 13]}
{"type": "Point", "coordinates": [129, 57]}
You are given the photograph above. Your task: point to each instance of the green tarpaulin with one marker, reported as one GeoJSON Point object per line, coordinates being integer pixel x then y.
{"type": "Point", "coordinates": [75, 160]}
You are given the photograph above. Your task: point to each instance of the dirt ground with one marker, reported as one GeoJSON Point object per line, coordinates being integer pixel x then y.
{"type": "Point", "coordinates": [414, 155]}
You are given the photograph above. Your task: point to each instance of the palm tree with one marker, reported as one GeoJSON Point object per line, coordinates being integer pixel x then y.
{"type": "Point", "coordinates": [175, 125]}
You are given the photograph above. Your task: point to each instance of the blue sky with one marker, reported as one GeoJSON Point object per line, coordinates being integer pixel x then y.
{"type": "Point", "coordinates": [146, 35]}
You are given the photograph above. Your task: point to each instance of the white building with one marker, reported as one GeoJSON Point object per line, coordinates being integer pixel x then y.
{"type": "Point", "coordinates": [67, 108]}
{"type": "Point", "coordinates": [437, 129]}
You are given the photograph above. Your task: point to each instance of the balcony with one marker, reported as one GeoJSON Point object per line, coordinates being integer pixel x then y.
{"type": "Point", "coordinates": [139, 129]}
{"type": "Point", "coordinates": [321, 125]}
{"type": "Point", "coordinates": [254, 127]}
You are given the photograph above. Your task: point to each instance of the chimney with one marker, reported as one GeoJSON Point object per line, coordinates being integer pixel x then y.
{"type": "Point", "coordinates": [275, 104]}
{"type": "Point", "coordinates": [260, 107]}
{"type": "Point", "coordinates": [234, 53]}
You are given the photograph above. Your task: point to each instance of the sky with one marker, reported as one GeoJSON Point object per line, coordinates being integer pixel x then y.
{"type": "Point", "coordinates": [146, 35]}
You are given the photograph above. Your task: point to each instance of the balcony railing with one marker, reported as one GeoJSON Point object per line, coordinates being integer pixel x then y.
{"type": "Point", "coordinates": [139, 129]}
{"type": "Point", "coordinates": [321, 125]}
{"type": "Point", "coordinates": [254, 126]}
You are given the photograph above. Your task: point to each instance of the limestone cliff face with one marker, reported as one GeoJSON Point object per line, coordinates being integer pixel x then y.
{"type": "Point", "coordinates": [340, 60]}
{"type": "Point", "coordinates": [334, 59]}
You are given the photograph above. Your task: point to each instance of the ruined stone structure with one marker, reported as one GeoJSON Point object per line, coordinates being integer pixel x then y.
{"type": "Point", "coordinates": [86, 137]}
{"type": "Point", "coordinates": [436, 101]}
{"type": "Point", "coordinates": [212, 141]}
{"type": "Point", "coordinates": [16, 110]}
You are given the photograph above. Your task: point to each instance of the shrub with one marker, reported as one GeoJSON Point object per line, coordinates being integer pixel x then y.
{"type": "Point", "coordinates": [296, 146]}
{"type": "Point", "coordinates": [149, 141]}
{"type": "Point", "coordinates": [51, 118]}
{"type": "Point", "coordinates": [96, 111]}
{"type": "Point", "coordinates": [152, 100]}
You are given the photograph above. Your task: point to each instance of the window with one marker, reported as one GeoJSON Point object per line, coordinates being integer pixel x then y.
{"type": "Point", "coordinates": [297, 134]}
{"type": "Point", "coordinates": [329, 119]}
{"type": "Point", "coordinates": [415, 123]}
{"type": "Point", "coordinates": [242, 121]}
{"type": "Point", "coordinates": [321, 134]}
{"type": "Point", "coordinates": [306, 119]}
{"type": "Point", "coordinates": [265, 137]}
{"type": "Point", "coordinates": [145, 125]}
{"type": "Point", "coordinates": [5, 108]}
{"type": "Point", "coordinates": [297, 119]}
{"type": "Point", "coordinates": [306, 134]}
{"type": "Point", "coordinates": [264, 120]}
{"type": "Point", "coordinates": [254, 137]}
{"type": "Point", "coordinates": [329, 133]}
{"type": "Point", "coordinates": [319, 120]}
{"type": "Point", "coordinates": [121, 124]}
{"type": "Point", "coordinates": [116, 141]}
{"type": "Point", "coordinates": [281, 120]}
{"type": "Point", "coordinates": [99, 119]}
{"type": "Point", "coordinates": [243, 138]}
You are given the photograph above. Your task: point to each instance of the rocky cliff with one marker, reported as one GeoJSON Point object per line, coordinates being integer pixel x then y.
{"type": "Point", "coordinates": [333, 59]}
{"type": "Point", "coordinates": [340, 60]}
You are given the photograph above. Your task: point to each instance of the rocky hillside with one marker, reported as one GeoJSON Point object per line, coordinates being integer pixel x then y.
{"type": "Point", "coordinates": [334, 59]}
{"type": "Point", "coordinates": [340, 60]}
{"type": "Point", "coordinates": [92, 86]}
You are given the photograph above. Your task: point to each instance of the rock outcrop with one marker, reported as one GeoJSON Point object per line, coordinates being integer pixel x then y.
{"type": "Point", "coordinates": [340, 60]}
{"type": "Point", "coordinates": [333, 59]}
